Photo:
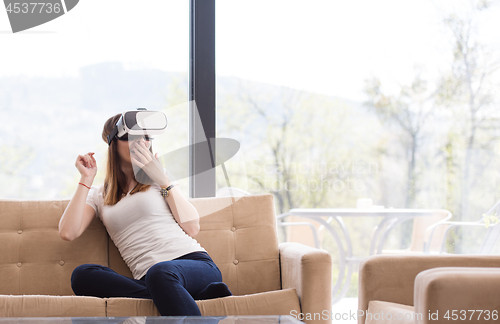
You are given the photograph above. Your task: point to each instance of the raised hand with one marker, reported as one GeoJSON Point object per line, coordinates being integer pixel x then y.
{"type": "Point", "coordinates": [144, 159]}
{"type": "Point", "coordinates": [87, 166]}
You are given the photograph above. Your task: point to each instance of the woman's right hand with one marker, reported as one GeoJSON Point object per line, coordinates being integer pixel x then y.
{"type": "Point", "coordinates": [78, 215]}
{"type": "Point", "coordinates": [87, 166]}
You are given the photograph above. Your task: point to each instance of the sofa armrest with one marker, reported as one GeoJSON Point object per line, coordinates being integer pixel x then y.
{"type": "Point", "coordinates": [452, 290]}
{"type": "Point", "coordinates": [309, 271]}
{"type": "Point", "coordinates": [391, 278]}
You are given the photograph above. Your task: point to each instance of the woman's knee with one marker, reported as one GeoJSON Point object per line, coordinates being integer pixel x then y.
{"type": "Point", "coordinates": [82, 276]}
{"type": "Point", "coordinates": [161, 271]}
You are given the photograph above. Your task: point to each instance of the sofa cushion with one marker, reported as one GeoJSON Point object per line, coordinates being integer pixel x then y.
{"type": "Point", "coordinates": [380, 312]}
{"type": "Point", "coordinates": [35, 260]}
{"type": "Point", "coordinates": [242, 240]}
{"type": "Point", "coordinates": [51, 306]}
{"type": "Point", "coordinates": [279, 302]}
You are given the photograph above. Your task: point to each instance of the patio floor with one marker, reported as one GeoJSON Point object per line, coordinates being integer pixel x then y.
{"type": "Point", "coordinates": [344, 309]}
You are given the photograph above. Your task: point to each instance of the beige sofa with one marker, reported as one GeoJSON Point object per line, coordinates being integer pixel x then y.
{"type": "Point", "coordinates": [266, 278]}
{"type": "Point", "coordinates": [426, 289]}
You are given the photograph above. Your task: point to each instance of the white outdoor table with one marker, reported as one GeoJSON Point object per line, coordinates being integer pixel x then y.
{"type": "Point", "coordinates": [391, 217]}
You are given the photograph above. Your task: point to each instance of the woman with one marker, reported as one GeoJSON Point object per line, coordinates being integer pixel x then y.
{"type": "Point", "coordinates": [153, 234]}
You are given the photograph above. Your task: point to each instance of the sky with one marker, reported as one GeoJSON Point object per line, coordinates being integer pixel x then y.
{"type": "Point", "coordinates": [323, 46]}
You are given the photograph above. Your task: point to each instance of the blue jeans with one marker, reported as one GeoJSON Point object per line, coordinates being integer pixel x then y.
{"type": "Point", "coordinates": [173, 285]}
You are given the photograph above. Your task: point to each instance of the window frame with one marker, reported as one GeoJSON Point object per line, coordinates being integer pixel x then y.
{"type": "Point", "coordinates": [202, 95]}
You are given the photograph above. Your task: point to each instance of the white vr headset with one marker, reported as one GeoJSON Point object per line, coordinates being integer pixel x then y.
{"type": "Point", "coordinates": [139, 122]}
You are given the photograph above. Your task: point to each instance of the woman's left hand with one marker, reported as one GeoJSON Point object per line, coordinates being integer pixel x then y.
{"type": "Point", "coordinates": [143, 158]}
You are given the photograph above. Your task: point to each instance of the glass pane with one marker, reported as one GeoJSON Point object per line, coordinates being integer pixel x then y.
{"type": "Point", "coordinates": [372, 104]}
{"type": "Point", "coordinates": [60, 81]}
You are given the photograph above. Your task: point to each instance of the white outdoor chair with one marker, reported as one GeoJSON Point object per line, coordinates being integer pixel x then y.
{"type": "Point", "coordinates": [420, 236]}
{"type": "Point", "coordinates": [492, 232]}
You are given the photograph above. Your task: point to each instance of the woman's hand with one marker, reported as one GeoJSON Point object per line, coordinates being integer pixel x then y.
{"type": "Point", "coordinates": [87, 166]}
{"type": "Point", "coordinates": [143, 158]}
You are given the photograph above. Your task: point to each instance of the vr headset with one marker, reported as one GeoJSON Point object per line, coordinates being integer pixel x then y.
{"type": "Point", "coordinates": [139, 122]}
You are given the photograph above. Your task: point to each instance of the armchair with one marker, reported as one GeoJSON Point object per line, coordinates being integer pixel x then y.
{"type": "Point", "coordinates": [428, 288]}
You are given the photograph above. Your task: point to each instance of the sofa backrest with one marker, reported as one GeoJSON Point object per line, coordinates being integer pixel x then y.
{"type": "Point", "coordinates": [239, 234]}
{"type": "Point", "coordinates": [34, 260]}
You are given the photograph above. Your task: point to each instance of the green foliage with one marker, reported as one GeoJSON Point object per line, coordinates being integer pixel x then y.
{"type": "Point", "coordinates": [354, 282]}
{"type": "Point", "coordinates": [298, 145]}
{"type": "Point", "coordinates": [490, 220]}
{"type": "Point", "coordinates": [405, 113]}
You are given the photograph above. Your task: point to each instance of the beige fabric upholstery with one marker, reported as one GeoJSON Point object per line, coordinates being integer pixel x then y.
{"type": "Point", "coordinates": [380, 312]}
{"type": "Point", "coordinates": [34, 259]}
{"type": "Point", "coordinates": [309, 270]}
{"type": "Point", "coordinates": [116, 307]}
{"type": "Point", "coordinates": [279, 302]}
{"type": "Point", "coordinates": [392, 278]}
{"type": "Point", "coordinates": [51, 306]}
{"type": "Point", "coordinates": [240, 237]}
{"type": "Point", "coordinates": [456, 288]}
{"type": "Point", "coordinates": [243, 242]}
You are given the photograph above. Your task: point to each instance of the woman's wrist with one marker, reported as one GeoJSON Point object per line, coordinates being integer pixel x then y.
{"type": "Point", "coordinates": [165, 183]}
{"type": "Point", "coordinates": [87, 181]}
{"type": "Point", "coordinates": [168, 191]}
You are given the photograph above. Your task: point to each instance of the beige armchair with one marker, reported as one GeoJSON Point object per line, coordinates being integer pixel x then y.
{"type": "Point", "coordinates": [239, 233]}
{"type": "Point", "coordinates": [429, 288]}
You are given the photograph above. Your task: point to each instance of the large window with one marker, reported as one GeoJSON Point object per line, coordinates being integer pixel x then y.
{"type": "Point", "coordinates": [333, 101]}
{"type": "Point", "coordinates": [60, 81]}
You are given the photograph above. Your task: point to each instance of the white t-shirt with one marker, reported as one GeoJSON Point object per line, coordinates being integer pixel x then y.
{"type": "Point", "coordinates": [143, 228]}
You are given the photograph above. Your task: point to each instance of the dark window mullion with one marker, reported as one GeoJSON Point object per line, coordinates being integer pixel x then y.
{"type": "Point", "coordinates": [202, 83]}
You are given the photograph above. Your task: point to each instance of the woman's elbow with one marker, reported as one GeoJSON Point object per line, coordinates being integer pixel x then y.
{"type": "Point", "coordinates": [194, 230]}
{"type": "Point", "coordinates": [66, 236]}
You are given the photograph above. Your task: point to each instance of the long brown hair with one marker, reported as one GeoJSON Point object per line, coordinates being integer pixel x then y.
{"type": "Point", "coordinates": [115, 182]}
